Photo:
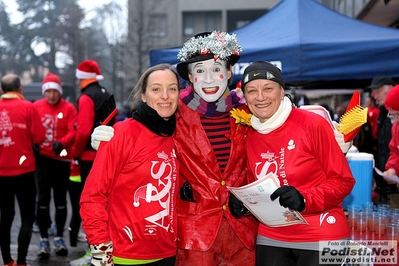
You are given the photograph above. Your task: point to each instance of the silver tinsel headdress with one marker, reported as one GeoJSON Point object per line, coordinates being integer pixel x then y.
{"type": "Point", "coordinates": [220, 44]}
{"type": "Point", "coordinates": [207, 45]}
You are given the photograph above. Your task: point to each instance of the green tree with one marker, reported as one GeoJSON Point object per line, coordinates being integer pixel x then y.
{"type": "Point", "coordinates": [108, 21]}
{"type": "Point", "coordinates": [11, 59]}
{"type": "Point", "coordinates": [5, 32]}
{"type": "Point", "coordinates": [147, 30]}
{"type": "Point", "coordinates": [52, 24]}
{"type": "Point", "coordinates": [94, 46]}
{"type": "Point", "coordinates": [65, 39]}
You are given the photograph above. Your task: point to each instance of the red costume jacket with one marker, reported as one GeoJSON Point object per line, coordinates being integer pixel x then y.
{"type": "Point", "coordinates": [199, 222]}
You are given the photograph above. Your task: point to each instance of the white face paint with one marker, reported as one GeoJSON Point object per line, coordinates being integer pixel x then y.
{"type": "Point", "coordinates": [209, 78]}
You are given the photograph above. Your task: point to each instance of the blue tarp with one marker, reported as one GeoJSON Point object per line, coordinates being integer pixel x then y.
{"type": "Point", "coordinates": [311, 42]}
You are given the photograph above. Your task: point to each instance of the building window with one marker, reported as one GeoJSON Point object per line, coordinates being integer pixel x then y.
{"type": "Point", "coordinates": [188, 25]}
{"type": "Point", "coordinates": [158, 26]}
{"type": "Point", "coordinates": [211, 21]}
{"type": "Point", "coordinates": [196, 22]}
{"type": "Point", "coordinates": [239, 18]}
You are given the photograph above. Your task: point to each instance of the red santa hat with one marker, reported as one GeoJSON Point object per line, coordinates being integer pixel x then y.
{"type": "Point", "coordinates": [89, 69]}
{"type": "Point", "coordinates": [51, 81]}
{"type": "Point", "coordinates": [392, 99]}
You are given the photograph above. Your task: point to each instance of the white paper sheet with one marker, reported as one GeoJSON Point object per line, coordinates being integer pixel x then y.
{"type": "Point", "coordinates": [256, 198]}
{"type": "Point", "coordinates": [393, 178]}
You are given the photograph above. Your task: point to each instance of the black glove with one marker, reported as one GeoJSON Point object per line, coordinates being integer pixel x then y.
{"type": "Point", "coordinates": [236, 207]}
{"type": "Point", "coordinates": [289, 198]}
{"type": "Point", "coordinates": [186, 192]}
{"type": "Point", "coordinates": [57, 147]}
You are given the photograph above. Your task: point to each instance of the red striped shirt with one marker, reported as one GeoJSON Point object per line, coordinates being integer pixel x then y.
{"type": "Point", "coordinates": [216, 129]}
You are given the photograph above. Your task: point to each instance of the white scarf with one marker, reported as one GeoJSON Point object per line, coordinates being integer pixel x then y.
{"type": "Point", "coordinates": [277, 119]}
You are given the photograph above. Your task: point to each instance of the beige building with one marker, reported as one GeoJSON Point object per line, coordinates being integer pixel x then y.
{"type": "Point", "coordinates": [174, 21]}
{"type": "Point", "coordinates": [155, 24]}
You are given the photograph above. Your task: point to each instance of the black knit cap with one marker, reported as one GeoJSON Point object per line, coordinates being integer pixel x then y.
{"type": "Point", "coordinates": [182, 67]}
{"type": "Point", "coordinates": [262, 70]}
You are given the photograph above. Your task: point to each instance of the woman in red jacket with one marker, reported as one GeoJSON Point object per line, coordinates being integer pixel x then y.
{"type": "Point", "coordinates": [299, 148]}
{"type": "Point", "coordinates": [128, 204]}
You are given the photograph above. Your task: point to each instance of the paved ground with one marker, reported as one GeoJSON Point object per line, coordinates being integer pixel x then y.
{"type": "Point", "coordinates": [54, 260]}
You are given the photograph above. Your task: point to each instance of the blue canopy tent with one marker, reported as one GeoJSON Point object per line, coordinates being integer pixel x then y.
{"type": "Point", "coordinates": [314, 46]}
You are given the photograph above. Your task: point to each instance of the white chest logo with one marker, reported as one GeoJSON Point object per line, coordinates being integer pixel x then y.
{"type": "Point", "coordinates": [331, 220]}
{"type": "Point", "coordinates": [291, 144]}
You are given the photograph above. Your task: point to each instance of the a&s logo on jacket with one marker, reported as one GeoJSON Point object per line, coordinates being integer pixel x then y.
{"type": "Point", "coordinates": [164, 171]}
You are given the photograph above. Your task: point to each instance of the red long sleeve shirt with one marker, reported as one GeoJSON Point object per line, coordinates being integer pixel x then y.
{"type": "Point", "coordinates": [20, 128]}
{"type": "Point", "coordinates": [303, 153]}
{"type": "Point", "coordinates": [130, 194]}
{"type": "Point", "coordinates": [59, 120]}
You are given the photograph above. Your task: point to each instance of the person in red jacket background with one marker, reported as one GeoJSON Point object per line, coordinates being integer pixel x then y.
{"type": "Point", "coordinates": [20, 128]}
{"type": "Point", "coordinates": [392, 105]}
{"type": "Point", "coordinates": [53, 162]}
{"type": "Point", "coordinates": [93, 95]}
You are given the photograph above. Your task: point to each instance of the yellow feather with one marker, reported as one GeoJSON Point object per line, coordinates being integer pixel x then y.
{"type": "Point", "coordinates": [352, 119]}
